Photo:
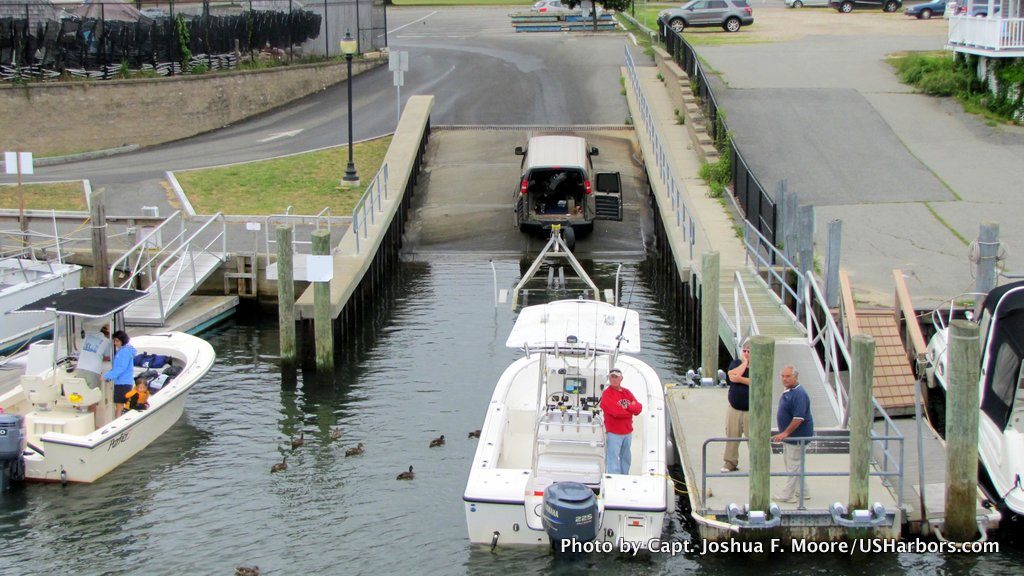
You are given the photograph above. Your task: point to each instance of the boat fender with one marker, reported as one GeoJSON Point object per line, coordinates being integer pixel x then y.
{"type": "Point", "coordinates": [63, 477]}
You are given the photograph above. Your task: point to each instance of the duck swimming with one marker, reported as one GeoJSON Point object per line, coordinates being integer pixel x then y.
{"type": "Point", "coordinates": [354, 451]}
{"type": "Point", "coordinates": [406, 475]}
{"type": "Point", "coordinates": [439, 441]}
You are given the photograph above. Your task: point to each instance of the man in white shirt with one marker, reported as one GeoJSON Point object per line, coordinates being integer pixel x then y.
{"type": "Point", "coordinates": [95, 350]}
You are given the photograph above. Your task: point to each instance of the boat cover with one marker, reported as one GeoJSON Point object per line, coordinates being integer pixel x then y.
{"type": "Point", "coordinates": [85, 302]}
{"type": "Point", "coordinates": [589, 321]}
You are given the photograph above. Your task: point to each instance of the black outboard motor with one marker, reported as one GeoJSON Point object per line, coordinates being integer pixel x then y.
{"type": "Point", "coordinates": [570, 513]}
{"type": "Point", "coordinates": [12, 464]}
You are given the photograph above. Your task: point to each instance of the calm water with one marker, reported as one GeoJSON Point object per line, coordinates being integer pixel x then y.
{"type": "Point", "coordinates": [202, 499]}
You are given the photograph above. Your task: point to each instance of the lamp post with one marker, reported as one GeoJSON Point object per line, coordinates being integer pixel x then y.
{"type": "Point", "coordinates": [349, 45]}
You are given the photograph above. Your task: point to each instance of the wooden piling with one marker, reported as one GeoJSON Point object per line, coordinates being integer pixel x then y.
{"type": "Point", "coordinates": [835, 236]}
{"type": "Point", "coordinates": [286, 295]}
{"type": "Point", "coordinates": [862, 375]}
{"type": "Point", "coordinates": [98, 216]}
{"type": "Point", "coordinates": [988, 254]}
{"type": "Point", "coordinates": [322, 327]}
{"type": "Point", "coordinates": [709, 316]}
{"type": "Point", "coordinates": [762, 365]}
{"type": "Point", "coordinates": [805, 233]}
{"type": "Point", "coordinates": [962, 431]}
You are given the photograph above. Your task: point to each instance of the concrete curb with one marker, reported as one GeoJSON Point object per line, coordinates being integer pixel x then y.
{"type": "Point", "coordinates": [69, 158]}
{"type": "Point", "coordinates": [186, 206]}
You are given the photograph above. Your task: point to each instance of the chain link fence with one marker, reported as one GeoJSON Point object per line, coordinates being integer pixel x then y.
{"type": "Point", "coordinates": [42, 41]}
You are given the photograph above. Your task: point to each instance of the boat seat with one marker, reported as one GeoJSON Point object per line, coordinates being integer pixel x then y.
{"type": "Point", "coordinates": [40, 391]}
{"type": "Point", "coordinates": [78, 386]}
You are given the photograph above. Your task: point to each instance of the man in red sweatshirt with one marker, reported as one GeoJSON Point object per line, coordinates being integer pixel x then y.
{"type": "Point", "coordinates": [619, 407]}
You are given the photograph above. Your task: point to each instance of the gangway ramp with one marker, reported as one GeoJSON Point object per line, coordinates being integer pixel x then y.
{"type": "Point", "coordinates": [894, 376]}
{"type": "Point", "coordinates": [174, 262]}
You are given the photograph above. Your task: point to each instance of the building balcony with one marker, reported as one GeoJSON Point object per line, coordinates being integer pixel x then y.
{"type": "Point", "coordinates": [994, 37]}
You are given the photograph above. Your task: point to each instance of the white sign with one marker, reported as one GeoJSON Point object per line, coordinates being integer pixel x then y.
{"type": "Point", "coordinates": [399, 78]}
{"type": "Point", "coordinates": [398, 60]}
{"type": "Point", "coordinates": [254, 226]}
{"type": "Point", "coordinates": [319, 268]}
{"type": "Point", "coordinates": [15, 162]}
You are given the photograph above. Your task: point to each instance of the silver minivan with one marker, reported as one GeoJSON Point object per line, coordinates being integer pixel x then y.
{"type": "Point", "coordinates": [558, 185]}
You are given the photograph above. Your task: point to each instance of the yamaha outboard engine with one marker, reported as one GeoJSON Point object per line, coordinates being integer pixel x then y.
{"type": "Point", "coordinates": [570, 513]}
{"type": "Point", "coordinates": [12, 465]}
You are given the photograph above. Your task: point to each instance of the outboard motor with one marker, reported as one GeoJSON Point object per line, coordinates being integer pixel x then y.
{"type": "Point", "coordinates": [12, 464]}
{"type": "Point", "coordinates": [570, 513]}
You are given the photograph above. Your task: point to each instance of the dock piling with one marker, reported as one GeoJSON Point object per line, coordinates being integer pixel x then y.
{"type": "Point", "coordinates": [323, 326]}
{"type": "Point", "coordinates": [988, 255]}
{"type": "Point", "coordinates": [962, 431]}
{"type": "Point", "coordinates": [860, 411]}
{"type": "Point", "coordinates": [805, 227]}
{"type": "Point", "coordinates": [835, 237]}
{"type": "Point", "coordinates": [286, 294]}
{"type": "Point", "coordinates": [98, 216]}
{"type": "Point", "coordinates": [709, 316]}
{"type": "Point", "coordinates": [762, 363]}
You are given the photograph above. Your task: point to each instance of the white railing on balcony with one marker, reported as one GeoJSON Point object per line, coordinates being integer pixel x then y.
{"type": "Point", "coordinates": [995, 33]}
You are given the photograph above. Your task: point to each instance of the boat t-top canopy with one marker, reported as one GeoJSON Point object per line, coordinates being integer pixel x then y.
{"type": "Point", "coordinates": [576, 323]}
{"type": "Point", "coordinates": [85, 302]}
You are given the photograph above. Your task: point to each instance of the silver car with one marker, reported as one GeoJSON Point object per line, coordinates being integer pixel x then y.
{"type": "Point", "coordinates": [731, 15]}
{"type": "Point", "coordinates": [802, 3]}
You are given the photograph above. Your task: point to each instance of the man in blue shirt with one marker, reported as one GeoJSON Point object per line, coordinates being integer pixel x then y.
{"type": "Point", "coordinates": [795, 421]}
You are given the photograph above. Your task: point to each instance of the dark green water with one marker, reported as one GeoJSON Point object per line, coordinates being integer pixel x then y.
{"type": "Point", "coordinates": [202, 499]}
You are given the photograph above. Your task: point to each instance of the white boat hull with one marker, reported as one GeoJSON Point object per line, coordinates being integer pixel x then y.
{"type": "Point", "coordinates": [542, 428]}
{"type": "Point", "coordinates": [37, 280]}
{"type": "Point", "coordinates": [89, 454]}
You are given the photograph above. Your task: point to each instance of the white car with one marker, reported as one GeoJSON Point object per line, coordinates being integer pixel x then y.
{"type": "Point", "coordinates": [802, 3]}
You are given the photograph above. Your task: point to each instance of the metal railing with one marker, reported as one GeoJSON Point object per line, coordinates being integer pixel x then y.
{"type": "Point", "coordinates": [321, 219]}
{"type": "Point", "coordinates": [992, 33]}
{"type": "Point", "coordinates": [770, 260]}
{"type": "Point", "coordinates": [185, 257]}
{"type": "Point", "coordinates": [371, 202]}
{"type": "Point", "coordinates": [684, 216]}
{"type": "Point", "coordinates": [739, 294]}
{"type": "Point", "coordinates": [755, 203]}
{"type": "Point", "coordinates": [803, 474]}
{"type": "Point", "coordinates": [834, 354]}
{"type": "Point", "coordinates": [144, 258]}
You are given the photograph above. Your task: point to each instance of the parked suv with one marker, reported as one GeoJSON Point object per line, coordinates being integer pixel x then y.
{"type": "Point", "coordinates": [846, 6]}
{"type": "Point", "coordinates": [559, 186]}
{"type": "Point", "coordinates": [731, 15]}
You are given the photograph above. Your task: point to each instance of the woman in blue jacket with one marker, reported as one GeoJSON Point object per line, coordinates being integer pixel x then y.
{"type": "Point", "coordinates": [121, 370]}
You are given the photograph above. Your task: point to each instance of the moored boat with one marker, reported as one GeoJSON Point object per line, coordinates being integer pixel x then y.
{"type": "Point", "coordinates": [67, 430]}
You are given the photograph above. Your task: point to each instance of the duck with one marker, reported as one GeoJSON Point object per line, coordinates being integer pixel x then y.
{"type": "Point", "coordinates": [474, 434]}
{"type": "Point", "coordinates": [247, 571]}
{"type": "Point", "coordinates": [354, 451]}
{"type": "Point", "coordinates": [299, 440]}
{"type": "Point", "coordinates": [335, 433]}
{"type": "Point", "coordinates": [280, 466]}
{"type": "Point", "coordinates": [406, 475]}
{"type": "Point", "coordinates": [439, 441]}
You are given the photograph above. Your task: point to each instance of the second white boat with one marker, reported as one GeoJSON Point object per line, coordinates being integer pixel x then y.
{"type": "Point", "coordinates": [543, 438]}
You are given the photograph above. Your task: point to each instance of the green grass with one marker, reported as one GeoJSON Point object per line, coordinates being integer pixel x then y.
{"type": "Point", "coordinates": [55, 196]}
{"type": "Point", "coordinates": [948, 226]}
{"type": "Point", "coordinates": [308, 182]}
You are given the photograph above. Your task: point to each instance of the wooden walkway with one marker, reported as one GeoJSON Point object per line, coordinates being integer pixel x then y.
{"type": "Point", "coordinates": [894, 376]}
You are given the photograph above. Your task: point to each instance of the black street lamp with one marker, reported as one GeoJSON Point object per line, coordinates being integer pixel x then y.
{"type": "Point", "coordinates": [349, 46]}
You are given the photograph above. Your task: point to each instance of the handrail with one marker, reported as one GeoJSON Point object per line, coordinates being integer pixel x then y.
{"type": "Point", "coordinates": [140, 248]}
{"type": "Point", "coordinates": [740, 290]}
{"type": "Point", "coordinates": [376, 192]}
{"type": "Point", "coordinates": [835, 351]}
{"type": "Point", "coordinates": [323, 216]}
{"type": "Point", "coordinates": [885, 473]}
{"type": "Point", "coordinates": [939, 322]}
{"type": "Point", "coordinates": [674, 186]}
{"type": "Point", "coordinates": [847, 307]}
{"type": "Point", "coordinates": [755, 242]}
{"type": "Point", "coordinates": [903, 308]}
{"type": "Point", "coordinates": [186, 249]}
